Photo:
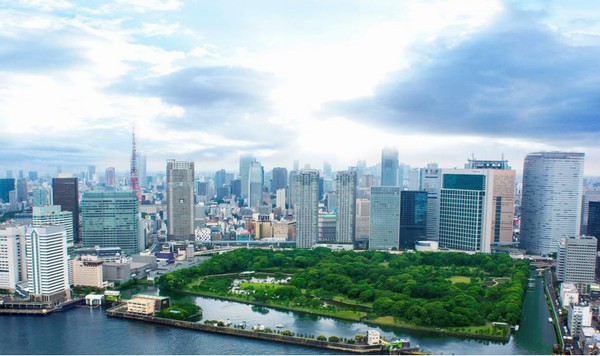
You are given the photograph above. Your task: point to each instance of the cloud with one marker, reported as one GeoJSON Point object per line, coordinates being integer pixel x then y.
{"type": "Point", "coordinates": [517, 78]}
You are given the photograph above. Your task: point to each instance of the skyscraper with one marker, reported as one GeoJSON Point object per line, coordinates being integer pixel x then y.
{"type": "Point", "coordinates": [576, 260]}
{"type": "Point", "coordinates": [142, 170]}
{"type": "Point", "coordinates": [110, 177]}
{"type": "Point", "coordinates": [256, 179]}
{"type": "Point", "coordinates": [431, 183]}
{"type": "Point", "coordinates": [21, 189]}
{"type": "Point", "coordinates": [220, 178]}
{"type": "Point", "coordinates": [12, 266]}
{"type": "Point", "coordinates": [389, 167]}
{"type": "Point", "coordinates": [551, 201]}
{"type": "Point", "coordinates": [110, 219]}
{"type": "Point", "coordinates": [47, 266]}
{"type": "Point", "coordinates": [33, 176]}
{"type": "Point", "coordinates": [292, 189]}
{"type": "Point", "coordinates": [413, 218]}
{"type": "Point", "coordinates": [279, 180]}
{"type": "Point", "coordinates": [6, 185]}
{"type": "Point", "coordinates": [245, 162]}
{"type": "Point", "coordinates": [385, 218]}
{"type": "Point", "coordinates": [346, 206]}
{"type": "Point", "coordinates": [593, 224]}
{"type": "Point", "coordinates": [65, 192]}
{"type": "Point", "coordinates": [363, 218]}
{"type": "Point", "coordinates": [180, 200]}
{"type": "Point", "coordinates": [53, 215]}
{"type": "Point", "coordinates": [40, 196]}
{"type": "Point", "coordinates": [306, 189]}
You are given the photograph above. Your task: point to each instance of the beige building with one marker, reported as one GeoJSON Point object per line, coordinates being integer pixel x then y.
{"type": "Point", "coordinates": [141, 306]}
{"type": "Point", "coordinates": [282, 230]}
{"type": "Point", "coordinates": [263, 229]}
{"type": "Point", "coordinates": [87, 273]}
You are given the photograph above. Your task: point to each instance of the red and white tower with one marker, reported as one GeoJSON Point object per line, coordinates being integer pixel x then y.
{"type": "Point", "coordinates": [134, 184]}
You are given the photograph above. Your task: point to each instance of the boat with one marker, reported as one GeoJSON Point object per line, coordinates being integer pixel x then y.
{"type": "Point", "coordinates": [549, 320]}
{"type": "Point", "coordinates": [258, 327]}
{"type": "Point", "coordinates": [279, 326]}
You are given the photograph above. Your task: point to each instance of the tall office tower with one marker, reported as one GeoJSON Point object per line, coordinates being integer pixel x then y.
{"type": "Point", "coordinates": [9, 174]}
{"type": "Point", "coordinates": [476, 208]}
{"type": "Point", "coordinates": [331, 201]}
{"type": "Point", "coordinates": [280, 198]}
{"type": "Point", "coordinates": [33, 176]}
{"type": "Point", "coordinates": [588, 197]}
{"type": "Point", "coordinates": [47, 266]}
{"type": "Point", "coordinates": [21, 174]}
{"type": "Point", "coordinates": [220, 178]}
{"type": "Point", "coordinates": [321, 187]}
{"type": "Point", "coordinates": [593, 224]}
{"type": "Point", "coordinates": [142, 170]}
{"type": "Point", "coordinates": [292, 189]}
{"type": "Point", "coordinates": [306, 210]}
{"type": "Point", "coordinates": [361, 166]}
{"type": "Point", "coordinates": [346, 182]}
{"type": "Point", "coordinates": [389, 167]}
{"type": "Point", "coordinates": [413, 218]}
{"type": "Point", "coordinates": [385, 218]}
{"type": "Point", "coordinates": [6, 185]}
{"type": "Point", "coordinates": [403, 175]}
{"type": "Point", "coordinates": [431, 183]}
{"type": "Point", "coordinates": [279, 180]}
{"type": "Point", "coordinates": [180, 200]}
{"type": "Point", "coordinates": [363, 218]}
{"type": "Point", "coordinates": [223, 191]}
{"type": "Point", "coordinates": [134, 182]}
{"type": "Point", "coordinates": [110, 177]}
{"type": "Point", "coordinates": [487, 164]}
{"type": "Point", "coordinates": [326, 169]}
{"type": "Point", "coordinates": [296, 165]}
{"type": "Point", "coordinates": [551, 202]}
{"type": "Point", "coordinates": [576, 260]}
{"type": "Point", "coordinates": [11, 259]}
{"type": "Point", "coordinates": [414, 179]}
{"type": "Point", "coordinates": [53, 215]}
{"type": "Point", "coordinates": [40, 196]}
{"type": "Point", "coordinates": [110, 219]}
{"type": "Point", "coordinates": [236, 188]}
{"type": "Point", "coordinates": [91, 173]}
{"type": "Point", "coordinates": [245, 162]}
{"type": "Point", "coordinates": [327, 227]}
{"type": "Point", "coordinates": [21, 189]}
{"type": "Point", "coordinates": [65, 192]}
{"type": "Point", "coordinates": [256, 183]}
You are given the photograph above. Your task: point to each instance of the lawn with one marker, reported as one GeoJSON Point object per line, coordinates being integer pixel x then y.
{"type": "Point", "coordinates": [460, 279]}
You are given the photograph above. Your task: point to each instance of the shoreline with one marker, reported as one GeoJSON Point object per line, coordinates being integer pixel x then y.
{"type": "Point", "coordinates": [439, 331]}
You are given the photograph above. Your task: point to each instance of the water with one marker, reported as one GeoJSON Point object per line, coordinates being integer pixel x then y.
{"type": "Point", "coordinates": [89, 331]}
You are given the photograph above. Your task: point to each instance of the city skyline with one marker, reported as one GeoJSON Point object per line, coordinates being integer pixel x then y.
{"type": "Point", "coordinates": [436, 80]}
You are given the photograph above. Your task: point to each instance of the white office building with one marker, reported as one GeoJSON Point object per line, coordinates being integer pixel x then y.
{"type": "Point", "coordinates": [579, 315]}
{"type": "Point", "coordinates": [576, 260]}
{"type": "Point", "coordinates": [551, 201]}
{"type": "Point", "coordinates": [52, 215]}
{"type": "Point", "coordinates": [12, 266]}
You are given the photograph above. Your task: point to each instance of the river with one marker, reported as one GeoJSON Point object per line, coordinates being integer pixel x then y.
{"type": "Point", "coordinates": [89, 331]}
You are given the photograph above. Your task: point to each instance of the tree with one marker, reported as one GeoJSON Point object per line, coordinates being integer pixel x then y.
{"type": "Point", "coordinates": [334, 338]}
{"type": "Point", "coordinates": [359, 337]}
{"type": "Point", "coordinates": [287, 332]}
{"type": "Point", "coordinates": [322, 338]}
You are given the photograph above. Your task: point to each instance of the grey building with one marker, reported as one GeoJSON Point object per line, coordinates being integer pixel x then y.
{"type": "Point", "coordinates": [245, 162]}
{"type": "Point", "coordinates": [384, 230]}
{"type": "Point", "coordinates": [346, 206]}
{"type": "Point", "coordinates": [180, 200]}
{"type": "Point", "coordinates": [306, 210]}
{"type": "Point", "coordinates": [576, 260]}
{"type": "Point", "coordinates": [279, 179]}
{"type": "Point", "coordinates": [389, 167]}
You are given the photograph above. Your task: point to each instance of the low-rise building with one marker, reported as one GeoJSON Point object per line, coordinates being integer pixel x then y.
{"type": "Point", "coordinates": [579, 315]}
{"type": "Point", "coordinates": [568, 294]}
{"type": "Point", "coordinates": [373, 337]}
{"type": "Point", "coordinates": [141, 306]}
{"type": "Point", "coordinates": [160, 302]}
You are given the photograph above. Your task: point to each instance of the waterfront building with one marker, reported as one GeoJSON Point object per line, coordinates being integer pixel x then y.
{"type": "Point", "coordinates": [140, 306]}
{"type": "Point", "coordinates": [97, 253]}
{"type": "Point", "coordinates": [306, 210]}
{"type": "Point", "coordinates": [256, 179]}
{"type": "Point", "coordinates": [576, 260]}
{"type": "Point", "coordinates": [579, 315]}
{"type": "Point", "coordinates": [279, 179]}
{"type": "Point", "coordinates": [346, 182]}
{"type": "Point", "coordinates": [384, 230]}
{"type": "Point", "coordinates": [180, 200]}
{"type": "Point", "coordinates": [363, 220]}
{"type": "Point", "coordinates": [431, 183]}
{"type": "Point", "coordinates": [110, 219]}
{"type": "Point", "coordinates": [413, 218]}
{"type": "Point", "coordinates": [476, 208]}
{"type": "Point", "coordinates": [65, 192]}
{"type": "Point", "coordinates": [551, 201]}
{"type": "Point", "coordinates": [47, 263]}
{"type": "Point", "coordinates": [87, 273]}
{"type": "Point", "coordinates": [54, 215]}
{"type": "Point", "coordinates": [327, 227]}
{"type": "Point", "coordinates": [12, 264]}
{"type": "Point", "coordinates": [245, 162]}
{"type": "Point", "coordinates": [6, 186]}
{"type": "Point", "coordinates": [389, 167]}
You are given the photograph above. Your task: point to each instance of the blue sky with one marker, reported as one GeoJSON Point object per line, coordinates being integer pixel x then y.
{"type": "Point", "coordinates": [308, 80]}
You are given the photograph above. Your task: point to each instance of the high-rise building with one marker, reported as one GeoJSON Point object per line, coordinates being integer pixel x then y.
{"type": "Point", "coordinates": [142, 170]}
{"type": "Point", "coordinates": [588, 197]}
{"type": "Point", "coordinates": [9, 174]}
{"type": "Point", "coordinates": [385, 218]}
{"type": "Point", "coordinates": [110, 219]}
{"type": "Point", "coordinates": [6, 185]}
{"type": "Point", "coordinates": [363, 218]}
{"type": "Point", "coordinates": [134, 182]}
{"type": "Point", "coordinates": [245, 162]}
{"type": "Point", "coordinates": [576, 260]}
{"type": "Point", "coordinates": [551, 201]}
{"type": "Point", "coordinates": [65, 192]}
{"type": "Point", "coordinates": [280, 198]}
{"type": "Point", "coordinates": [236, 187]}
{"type": "Point", "coordinates": [40, 196]}
{"type": "Point", "coordinates": [180, 200]}
{"type": "Point", "coordinates": [413, 218]}
{"type": "Point", "coordinates": [593, 223]}
{"type": "Point", "coordinates": [91, 173]}
{"type": "Point", "coordinates": [47, 263]}
{"type": "Point", "coordinates": [110, 177]}
{"type": "Point", "coordinates": [476, 208]}
{"type": "Point", "coordinates": [12, 264]}
{"type": "Point", "coordinates": [33, 176]}
{"type": "Point", "coordinates": [431, 178]}
{"type": "Point", "coordinates": [346, 206]}
{"type": "Point", "coordinates": [326, 170]}
{"type": "Point", "coordinates": [53, 215]}
{"type": "Point", "coordinates": [327, 227]}
{"type": "Point", "coordinates": [21, 189]}
{"type": "Point", "coordinates": [292, 189]}
{"type": "Point", "coordinates": [21, 174]}
{"type": "Point", "coordinates": [220, 178]}
{"type": "Point", "coordinates": [306, 210]}
{"type": "Point", "coordinates": [279, 180]}
{"type": "Point", "coordinates": [256, 180]}
{"type": "Point", "coordinates": [389, 167]}
{"type": "Point", "coordinates": [487, 164]}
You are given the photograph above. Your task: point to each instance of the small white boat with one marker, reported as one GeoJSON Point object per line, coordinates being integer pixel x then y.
{"type": "Point", "coordinates": [549, 320]}
{"type": "Point", "coordinates": [279, 326]}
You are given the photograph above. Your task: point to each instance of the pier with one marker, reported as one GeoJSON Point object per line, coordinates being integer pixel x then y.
{"type": "Point", "coordinates": [118, 312]}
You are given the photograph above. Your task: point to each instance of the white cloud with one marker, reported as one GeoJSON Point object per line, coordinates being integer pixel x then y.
{"type": "Point", "coordinates": [151, 5]}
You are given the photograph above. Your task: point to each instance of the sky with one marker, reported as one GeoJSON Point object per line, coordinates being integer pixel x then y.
{"type": "Point", "coordinates": [322, 80]}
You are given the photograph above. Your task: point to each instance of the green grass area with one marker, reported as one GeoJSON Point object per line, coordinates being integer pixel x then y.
{"type": "Point", "coordinates": [460, 279]}
{"type": "Point", "coordinates": [349, 301]}
{"type": "Point", "coordinates": [259, 286]}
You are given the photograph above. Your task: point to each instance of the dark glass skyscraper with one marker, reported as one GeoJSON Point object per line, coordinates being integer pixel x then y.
{"type": "Point", "coordinates": [593, 227]}
{"type": "Point", "coordinates": [65, 192]}
{"type": "Point", "coordinates": [279, 180]}
{"type": "Point", "coordinates": [413, 218]}
{"type": "Point", "coordinates": [6, 185]}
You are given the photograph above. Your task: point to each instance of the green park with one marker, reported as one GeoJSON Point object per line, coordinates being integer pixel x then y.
{"type": "Point", "coordinates": [471, 295]}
